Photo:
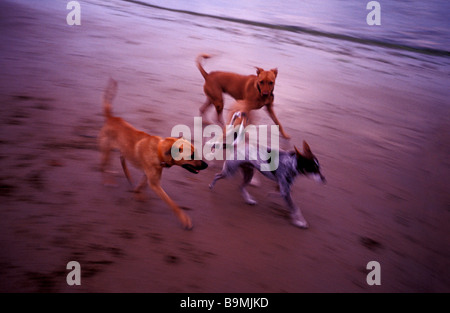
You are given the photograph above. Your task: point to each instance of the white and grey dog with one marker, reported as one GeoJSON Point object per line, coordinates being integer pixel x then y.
{"type": "Point", "coordinates": [289, 165]}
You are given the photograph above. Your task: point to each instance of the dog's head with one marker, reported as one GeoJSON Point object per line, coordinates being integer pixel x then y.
{"type": "Point", "coordinates": [265, 81]}
{"type": "Point", "coordinates": [308, 164]}
{"type": "Point", "coordinates": [179, 151]}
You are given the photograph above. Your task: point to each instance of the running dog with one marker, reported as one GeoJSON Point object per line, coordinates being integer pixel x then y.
{"type": "Point", "coordinates": [290, 164]}
{"type": "Point", "coordinates": [149, 153]}
{"type": "Point", "coordinates": [254, 91]}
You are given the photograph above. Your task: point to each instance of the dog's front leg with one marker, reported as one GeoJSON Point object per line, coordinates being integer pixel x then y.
{"type": "Point", "coordinates": [296, 215]}
{"type": "Point", "coordinates": [185, 220]}
{"type": "Point", "coordinates": [276, 121]}
{"type": "Point", "coordinates": [154, 178]}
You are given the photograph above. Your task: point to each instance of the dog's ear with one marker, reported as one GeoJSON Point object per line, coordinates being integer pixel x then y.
{"type": "Point", "coordinates": [168, 148]}
{"type": "Point", "coordinates": [307, 149]}
{"type": "Point", "coordinates": [259, 70]}
{"type": "Point", "coordinates": [173, 151]}
{"type": "Point", "coordinates": [274, 71]}
{"type": "Point", "coordinates": [297, 152]}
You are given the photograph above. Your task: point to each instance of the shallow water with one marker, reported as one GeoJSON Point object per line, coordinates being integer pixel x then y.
{"type": "Point", "coordinates": [421, 24]}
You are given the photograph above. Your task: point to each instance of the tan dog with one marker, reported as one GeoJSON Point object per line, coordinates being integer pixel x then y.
{"type": "Point", "coordinates": [254, 91]}
{"type": "Point", "coordinates": [146, 152]}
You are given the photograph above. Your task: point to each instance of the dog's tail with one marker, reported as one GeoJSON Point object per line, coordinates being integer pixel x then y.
{"type": "Point", "coordinates": [108, 97]}
{"type": "Point", "coordinates": [199, 59]}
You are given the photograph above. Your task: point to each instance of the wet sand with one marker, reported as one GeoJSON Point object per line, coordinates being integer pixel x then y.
{"type": "Point", "coordinates": [377, 119]}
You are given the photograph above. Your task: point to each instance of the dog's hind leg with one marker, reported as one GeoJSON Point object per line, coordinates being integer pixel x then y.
{"type": "Point", "coordinates": [217, 101]}
{"type": "Point", "coordinates": [219, 110]}
{"type": "Point", "coordinates": [205, 106]}
{"type": "Point", "coordinates": [214, 96]}
{"type": "Point", "coordinates": [247, 172]}
{"type": "Point", "coordinates": [138, 190]}
{"type": "Point", "coordinates": [218, 176]}
{"type": "Point", "coordinates": [105, 150]}
{"type": "Point", "coordinates": [125, 170]}
{"type": "Point", "coordinates": [229, 169]}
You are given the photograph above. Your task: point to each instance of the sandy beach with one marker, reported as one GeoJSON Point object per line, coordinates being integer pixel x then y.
{"type": "Point", "coordinates": [378, 119]}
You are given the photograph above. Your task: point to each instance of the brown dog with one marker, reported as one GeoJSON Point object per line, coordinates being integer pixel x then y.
{"type": "Point", "coordinates": [146, 152]}
{"type": "Point", "coordinates": [254, 91]}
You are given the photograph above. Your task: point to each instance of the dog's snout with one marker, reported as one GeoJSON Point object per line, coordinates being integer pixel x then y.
{"type": "Point", "coordinates": [318, 178]}
{"type": "Point", "coordinates": [203, 165]}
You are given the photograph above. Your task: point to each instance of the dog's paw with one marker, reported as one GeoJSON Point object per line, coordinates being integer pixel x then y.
{"type": "Point", "coordinates": [186, 221]}
{"type": "Point", "coordinates": [250, 201]}
{"type": "Point", "coordinates": [188, 224]}
{"type": "Point", "coordinates": [140, 197]}
{"type": "Point", "coordinates": [300, 223]}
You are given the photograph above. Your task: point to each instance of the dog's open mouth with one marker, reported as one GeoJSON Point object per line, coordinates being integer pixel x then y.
{"type": "Point", "coordinates": [190, 168]}
{"type": "Point", "coordinates": [195, 169]}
